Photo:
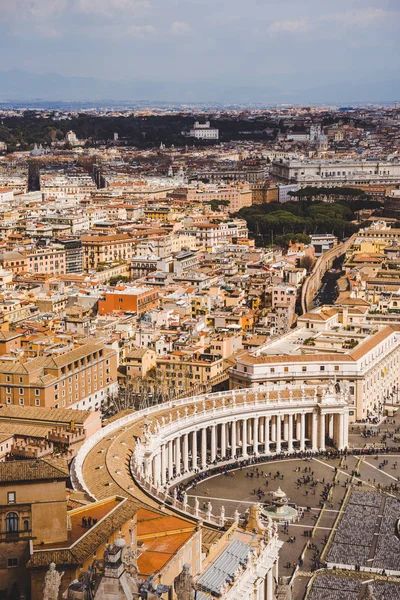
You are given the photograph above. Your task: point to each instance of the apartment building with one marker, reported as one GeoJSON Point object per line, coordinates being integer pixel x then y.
{"type": "Point", "coordinates": [182, 370]}
{"type": "Point", "coordinates": [210, 234]}
{"type": "Point", "coordinates": [30, 492]}
{"type": "Point", "coordinates": [14, 261]}
{"type": "Point", "coordinates": [128, 299]}
{"type": "Point", "coordinates": [78, 378]}
{"type": "Point", "coordinates": [100, 250]}
{"type": "Point", "coordinates": [48, 260]}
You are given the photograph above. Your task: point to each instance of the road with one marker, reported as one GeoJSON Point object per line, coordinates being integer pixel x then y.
{"type": "Point", "coordinates": [328, 291]}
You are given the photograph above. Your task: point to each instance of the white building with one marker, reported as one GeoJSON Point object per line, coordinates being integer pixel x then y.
{"type": "Point", "coordinates": [322, 242]}
{"type": "Point", "coordinates": [328, 173]}
{"type": "Point", "coordinates": [204, 131]}
{"type": "Point", "coordinates": [331, 344]}
{"type": "Point", "coordinates": [283, 192]}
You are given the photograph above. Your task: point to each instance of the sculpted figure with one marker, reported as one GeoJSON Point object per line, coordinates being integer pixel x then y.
{"type": "Point", "coordinates": [52, 582]}
{"type": "Point", "coordinates": [184, 585]}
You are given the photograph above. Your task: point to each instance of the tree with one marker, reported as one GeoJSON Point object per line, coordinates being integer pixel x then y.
{"type": "Point", "coordinates": [307, 262]}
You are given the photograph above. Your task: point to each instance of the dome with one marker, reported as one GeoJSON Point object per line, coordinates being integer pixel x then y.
{"type": "Point", "coordinates": [120, 542]}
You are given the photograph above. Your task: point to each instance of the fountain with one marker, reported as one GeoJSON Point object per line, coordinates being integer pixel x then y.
{"type": "Point", "coordinates": [279, 510]}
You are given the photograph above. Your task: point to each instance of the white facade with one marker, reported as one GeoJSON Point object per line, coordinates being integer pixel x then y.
{"type": "Point", "coordinates": [335, 172]}
{"type": "Point", "coordinates": [370, 371]}
{"type": "Point", "coordinates": [204, 131]}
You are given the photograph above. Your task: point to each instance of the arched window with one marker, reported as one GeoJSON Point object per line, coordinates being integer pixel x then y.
{"type": "Point", "coordinates": [11, 522]}
{"type": "Point", "coordinates": [26, 525]}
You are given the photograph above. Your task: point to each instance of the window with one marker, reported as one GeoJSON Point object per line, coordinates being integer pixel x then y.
{"type": "Point", "coordinates": [26, 525]}
{"type": "Point", "coordinates": [37, 401]}
{"type": "Point", "coordinates": [37, 392]}
{"type": "Point", "coordinates": [21, 401]}
{"type": "Point", "coordinates": [12, 562]}
{"type": "Point", "coordinates": [11, 522]}
{"type": "Point", "coordinates": [286, 369]}
{"type": "Point", "coordinates": [11, 497]}
{"type": "Point", "coordinates": [20, 380]}
{"type": "Point", "coordinates": [322, 368]}
{"type": "Point", "coordinates": [8, 379]}
{"type": "Point", "coordinates": [304, 369]}
{"type": "Point", "coordinates": [21, 391]}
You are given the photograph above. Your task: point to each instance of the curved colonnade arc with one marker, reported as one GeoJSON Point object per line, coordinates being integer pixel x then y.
{"type": "Point", "coordinates": [158, 447]}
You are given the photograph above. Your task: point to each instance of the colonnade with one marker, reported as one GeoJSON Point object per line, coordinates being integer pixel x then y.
{"type": "Point", "coordinates": [193, 449]}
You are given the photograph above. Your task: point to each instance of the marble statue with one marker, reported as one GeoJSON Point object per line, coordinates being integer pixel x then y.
{"type": "Point", "coordinates": [52, 582]}
{"type": "Point", "coordinates": [184, 585]}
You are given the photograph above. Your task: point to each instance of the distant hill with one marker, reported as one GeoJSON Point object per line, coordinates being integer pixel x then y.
{"type": "Point", "coordinates": [23, 86]}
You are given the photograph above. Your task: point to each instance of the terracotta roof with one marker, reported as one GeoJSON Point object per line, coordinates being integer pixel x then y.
{"type": "Point", "coordinates": [90, 541]}
{"type": "Point", "coordinates": [36, 415]}
{"type": "Point", "coordinates": [29, 470]}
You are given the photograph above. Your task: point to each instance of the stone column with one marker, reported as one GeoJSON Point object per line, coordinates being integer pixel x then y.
{"type": "Point", "coordinates": [170, 459]}
{"type": "Point", "coordinates": [163, 465]}
{"type": "Point", "coordinates": [322, 432]}
{"type": "Point", "coordinates": [315, 431]}
{"type": "Point", "coordinates": [249, 430]}
{"type": "Point", "coordinates": [255, 435]}
{"type": "Point", "coordinates": [194, 450]}
{"type": "Point", "coordinates": [266, 436]}
{"type": "Point", "coordinates": [286, 428]}
{"type": "Point", "coordinates": [330, 427]}
{"type": "Point", "coordinates": [233, 439]}
{"type": "Point", "coordinates": [204, 448]}
{"type": "Point", "coordinates": [223, 440]}
{"type": "Point", "coordinates": [213, 443]}
{"type": "Point", "coordinates": [302, 432]}
{"type": "Point", "coordinates": [345, 429]}
{"type": "Point", "coordinates": [278, 434]}
{"type": "Point", "coordinates": [244, 437]}
{"type": "Point", "coordinates": [186, 452]}
{"type": "Point", "coordinates": [261, 434]}
{"type": "Point", "coordinates": [273, 430]}
{"type": "Point", "coordinates": [157, 469]}
{"type": "Point", "coordinates": [290, 433]}
{"type": "Point", "coordinates": [178, 455]}
{"type": "Point", "coordinates": [340, 442]}
{"type": "Point", "coordinates": [298, 427]}
{"type": "Point", "coordinates": [270, 585]}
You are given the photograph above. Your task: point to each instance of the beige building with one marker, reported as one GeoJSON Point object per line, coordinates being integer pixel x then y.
{"type": "Point", "coordinates": [183, 371]}
{"type": "Point", "coordinates": [105, 249]}
{"type": "Point", "coordinates": [79, 378]}
{"type": "Point", "coordinates": [48, 260]}
{"type": "Point", "coordinates": [139, 362]}
{"type": "Point", "coordinates": [33, 505]}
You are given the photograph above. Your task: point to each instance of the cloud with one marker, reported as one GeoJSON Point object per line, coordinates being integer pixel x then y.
{"type": "Point", "coordinates": [357, 18]}
{"type": "Point", "coordinates": [295, 26]}
{"type": "Point", "coordinates": [354, 18]}
{"type": "Point", "coordinates": [24, 9]}
{"type": "Point", "coordinates": [109, 7]}
{"type": "Point", "coordinates": [141, 31]}
{"type": "Point", "coordinates": [117, 32]}
{"type": "Point", "coordinates": [180, 28]}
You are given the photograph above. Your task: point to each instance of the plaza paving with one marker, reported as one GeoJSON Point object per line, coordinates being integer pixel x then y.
{"type": "Point", "coordinates": [238, 489]}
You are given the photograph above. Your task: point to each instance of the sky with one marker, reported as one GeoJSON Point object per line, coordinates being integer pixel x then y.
{"type": "Point", "coordinates": [284, 44]}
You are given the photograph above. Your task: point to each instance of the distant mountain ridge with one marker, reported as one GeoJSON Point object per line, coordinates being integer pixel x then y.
{"type": "Point", "coordinates": [18, 85]}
